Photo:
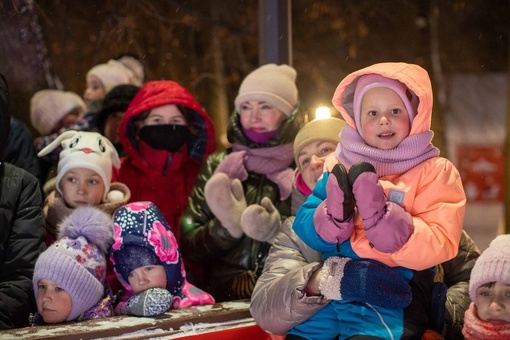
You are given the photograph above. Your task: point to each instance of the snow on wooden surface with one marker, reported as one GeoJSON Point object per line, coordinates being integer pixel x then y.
{"type": "Point", "coordinates": [171, 325]}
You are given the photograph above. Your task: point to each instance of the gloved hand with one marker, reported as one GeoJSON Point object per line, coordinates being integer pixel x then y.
{"type": "Point", "coordinates": [261, 222]}
{"type": "Point", "coordinates": [226, 200]}
{"type": "Point", "coordinates": [150, 302]}
{"type": "Point", "coordinates": [387, 225]}
{"type": "Point", "coordinates": [364, 281]}
{"type": "Point", "coordinates": [333, 218]}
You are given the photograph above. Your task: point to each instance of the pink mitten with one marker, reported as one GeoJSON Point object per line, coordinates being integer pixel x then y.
{"type": "Point", "coordinates": [225, 198]}
{"type": "Point", "coordinates": [387, 225]}
{"type": "Point", "coordinates": [261, 222]}
{"type": "Point", "coordinates": [333, 217]}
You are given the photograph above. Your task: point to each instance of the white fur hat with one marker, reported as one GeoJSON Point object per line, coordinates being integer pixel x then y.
{"type": "Point", "coordinates": [274, 84]}
{"type": "Point", "coordinates": [112, 73]}
{"type": "Point", "coordinates": [89, 150]}
{"type": "Point", "coordinates": [48, 107]}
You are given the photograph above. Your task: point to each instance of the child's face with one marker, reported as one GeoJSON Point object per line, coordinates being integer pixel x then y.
{"type": "Point", "coordinates": [81, 186]}
{"type": "Point", "coordinates": [111, 126]}
{"type": "Point", "coordinates": [260, 117]}
{"type": "Point", "coordinates": [384, 118]}
{"type": "Point", "coordinates": [164, 115]}
{"type": "Point", "coordinates": [311, 161]}
{"type": "Point", "coordinates": [69, 119]}
{"type": "Point", "coordinates": [95, 90]}
{"type": "Point", "coordinates": [143, 278]}
{"type": "Point", "coordinates": [493, 302]}
{"type": "Point", "coordinates": [53, 302]}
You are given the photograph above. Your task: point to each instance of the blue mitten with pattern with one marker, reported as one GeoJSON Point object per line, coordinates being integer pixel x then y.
{"type": "Point", "coordinates": [364, 281]}
{"type": "Point", "coordinates": [150, 302]}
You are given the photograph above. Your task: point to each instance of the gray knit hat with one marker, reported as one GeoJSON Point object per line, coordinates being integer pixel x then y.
{"type": "Point", "coordinates": [493, 265]}
{"type": "Point", "coordinates": [274, 84]}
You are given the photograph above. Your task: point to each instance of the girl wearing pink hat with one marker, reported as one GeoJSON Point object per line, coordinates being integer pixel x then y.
{"type": "Point", "coordinates": [388, 197]}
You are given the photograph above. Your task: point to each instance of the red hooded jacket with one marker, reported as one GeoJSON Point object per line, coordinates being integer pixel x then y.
{"type": "Point", "coordinates": [162, 177]}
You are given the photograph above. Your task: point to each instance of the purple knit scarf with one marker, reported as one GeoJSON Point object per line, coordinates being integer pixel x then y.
{"type": "Point", "coordinates": [412, 151]}
{"type": "Point", "coordinates": [272, 162]}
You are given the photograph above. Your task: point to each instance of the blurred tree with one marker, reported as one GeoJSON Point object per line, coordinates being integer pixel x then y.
{"type": "Point", "coordinates": [210, 46]}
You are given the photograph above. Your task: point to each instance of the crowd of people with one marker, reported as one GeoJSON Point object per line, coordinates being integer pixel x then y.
{"type": "Point", "coordinates": [340, 228]}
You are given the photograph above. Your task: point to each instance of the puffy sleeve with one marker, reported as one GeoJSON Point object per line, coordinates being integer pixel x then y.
{"type": "Point", "coordinates": [278, 302]}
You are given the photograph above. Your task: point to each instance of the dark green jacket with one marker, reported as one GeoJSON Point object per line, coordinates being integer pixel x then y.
{"type": "Point", "coordinates": [231, 265]}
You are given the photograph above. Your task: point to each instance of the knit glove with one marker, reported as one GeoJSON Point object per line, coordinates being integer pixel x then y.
{"type": "Point", "coordinates": [363, 281]}
{"type": "Point", "coordinates": [333, 218]}
{"type": "Point", "coordinates": [261, 222]}
{"type": "Point", "coordinates": [387, 225]}
{"type": "Point", "coordinates": [150, 302]}
{"type": "Point", "coordinates": [226, 200]}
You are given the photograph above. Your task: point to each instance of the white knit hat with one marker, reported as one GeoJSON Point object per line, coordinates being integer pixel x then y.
{"type": "Point", "coordinates": [136, 66]}
{"type": "Point", "coordinates": [89, 150]}
{"type": "Point", "coordinates": [48, 107]}
{"type": "Point", "coordinates": [274, 84]}
{"type": "Point", "coordinates": [493, 265]}
{"type": "Point", "coordinates": [112, 73]}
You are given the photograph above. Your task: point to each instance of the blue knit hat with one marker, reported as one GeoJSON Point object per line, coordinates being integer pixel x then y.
{"type": "Point", "coordinates": [132, 257]}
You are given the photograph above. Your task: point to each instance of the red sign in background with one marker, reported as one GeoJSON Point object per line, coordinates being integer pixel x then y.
{"type": "Point", "coordinates": [481, 170]}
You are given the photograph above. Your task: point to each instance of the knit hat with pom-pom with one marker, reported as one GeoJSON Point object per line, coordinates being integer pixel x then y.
{"type": "Point", "coordinates": [493, 265]}
{"type": "Point", "coordinates": [77, 260]}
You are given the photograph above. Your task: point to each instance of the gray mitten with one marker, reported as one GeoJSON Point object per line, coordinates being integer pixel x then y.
{"type": "Point", "coordinates": [150, 302]}
{"type": "Point", "coordinates": [261, 222]}
{"type": "Point", "coordinates": [225, 198]}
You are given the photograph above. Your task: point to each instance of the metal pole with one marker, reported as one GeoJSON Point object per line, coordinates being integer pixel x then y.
{"type": "Point", "coordinates": [275, 32]}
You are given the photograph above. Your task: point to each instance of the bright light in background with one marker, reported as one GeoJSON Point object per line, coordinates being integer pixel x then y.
{"type": "Point", "coordinates": [322, 112]}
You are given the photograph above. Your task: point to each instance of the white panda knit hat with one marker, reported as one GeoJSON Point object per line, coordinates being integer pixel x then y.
{"type": "Point", "coordinates": [274, 84]}
{"type": "Point", "coordinates": [48, 107]}
{"type": "Point", "coordinates": [112, 73]}
{"type": "Point", "coordinates": [89, 150]}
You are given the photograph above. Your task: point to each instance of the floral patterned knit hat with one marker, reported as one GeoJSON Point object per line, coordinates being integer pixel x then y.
{"type": "Point", "coordinates": [143, 237]}
{"type": "Point", "coordinates": [77, 260]}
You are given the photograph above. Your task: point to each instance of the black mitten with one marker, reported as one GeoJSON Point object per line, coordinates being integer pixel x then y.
{"type": "Point", "coordinates": [339, 191]}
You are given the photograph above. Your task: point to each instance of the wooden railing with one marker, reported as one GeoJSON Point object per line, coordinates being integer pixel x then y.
{"type": "Point", "coordinates": [228, 320]}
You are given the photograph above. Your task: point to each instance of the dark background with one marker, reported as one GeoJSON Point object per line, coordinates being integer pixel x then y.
{"type": "Point", "coordinates": [209, 46]}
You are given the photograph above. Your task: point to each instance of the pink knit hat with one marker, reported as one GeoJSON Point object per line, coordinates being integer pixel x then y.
{"type": "Point", "coordinates": [274, 84]}
{"type": "Point", "coordinates": [371, 81]}
{"type": "Point", "coordinates": [48, 107]}
{"type": "Point", "coordinates": [493, 265]}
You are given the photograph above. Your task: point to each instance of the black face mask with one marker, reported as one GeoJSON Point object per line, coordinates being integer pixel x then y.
{"type": "Point", "coordinates": [165, 137]}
